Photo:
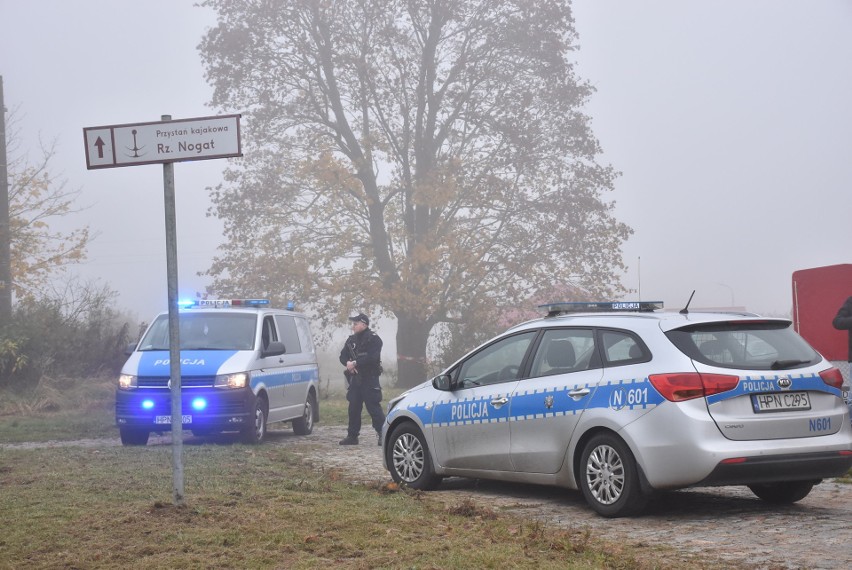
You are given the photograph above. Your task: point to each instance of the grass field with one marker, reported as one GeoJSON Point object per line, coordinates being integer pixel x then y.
{"type": "Point", "coordinates": [77, 507]}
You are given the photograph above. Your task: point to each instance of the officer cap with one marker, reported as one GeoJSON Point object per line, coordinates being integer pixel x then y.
{"type": "Point", "coordinates": [360, 318]}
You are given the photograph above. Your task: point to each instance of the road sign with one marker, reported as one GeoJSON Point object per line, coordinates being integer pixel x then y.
{"type": "Point", "coordinates": [201, 138]}
{"type": "Point", "coordinates": [166, 142]}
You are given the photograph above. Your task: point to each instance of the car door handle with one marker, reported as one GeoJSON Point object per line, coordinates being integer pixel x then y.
{"type": "Point", "coordinates": [579, 393]}
{"type": "Point", "coordinates": [499, 402]}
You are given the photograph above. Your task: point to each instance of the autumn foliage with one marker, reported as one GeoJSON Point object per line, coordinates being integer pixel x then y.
{"type": "Point", "coordinates": [425, 158]}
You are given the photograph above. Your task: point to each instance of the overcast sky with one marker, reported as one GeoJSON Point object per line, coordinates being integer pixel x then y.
{"type": "Point", "coordinates": [729, 120]}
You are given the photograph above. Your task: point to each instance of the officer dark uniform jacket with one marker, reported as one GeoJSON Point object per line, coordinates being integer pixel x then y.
{"type": "Point", "coordinates": [843, 321]}
{"type": "Point", "coordinates": [363, 387]}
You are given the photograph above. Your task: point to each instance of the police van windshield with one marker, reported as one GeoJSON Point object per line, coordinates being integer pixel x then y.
{"type": "Point", "coordinates": [204, 331]}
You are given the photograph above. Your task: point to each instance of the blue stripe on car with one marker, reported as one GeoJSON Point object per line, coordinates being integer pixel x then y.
{"type": "Point", "coordinates": [276, 378]}
{"type": "Point", "coordinates": [630, 394]}
{"type": "Point", "coordinates": [625, 394]}
{"type": "Point", "coordinates": [763, 384]}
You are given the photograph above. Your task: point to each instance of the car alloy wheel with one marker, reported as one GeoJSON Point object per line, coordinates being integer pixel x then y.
{"type": "Point", "coordinates": [408, 458]}
{"type": "Point", "coordinates": [609, 477]}
{"type": "Point", "coordinates": [605, 474]}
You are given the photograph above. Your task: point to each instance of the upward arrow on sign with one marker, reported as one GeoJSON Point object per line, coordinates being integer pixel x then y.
{"type": "Point", "coordinates": [100, 144]}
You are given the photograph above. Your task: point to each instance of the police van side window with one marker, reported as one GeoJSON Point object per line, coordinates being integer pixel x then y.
{"type": "Point", "coordinates": [289, 334]}
{"type": "Point", "coordinates": [565, 350]}
{"type": "Point", "coordinates": [269, 333]}
{"type": "Point", "coordinates": [304, 331]}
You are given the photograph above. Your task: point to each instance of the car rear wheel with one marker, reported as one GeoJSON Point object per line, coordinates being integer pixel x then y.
{"type": "Point", "coordinates": [131, 436]}
{"type": "Point", "coordinates": [305, 424]}
{"type": "Point", "coordinates": [609, 477]}
{"type": "Point", "coordinates": [254, 433]}
{"type": "Point", "coordinates": [783, 493]}
{"type": "Point", "coordinates": [408, 458]}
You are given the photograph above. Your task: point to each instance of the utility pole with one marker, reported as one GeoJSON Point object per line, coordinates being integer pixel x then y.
{"type": "Point", "coordinates": [5, 228]}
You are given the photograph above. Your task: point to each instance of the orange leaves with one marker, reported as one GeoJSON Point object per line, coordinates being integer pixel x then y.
{"type": "Point", "coordinates": [37, 252]}
{"type": "Point", "coordinates": [333, 175]}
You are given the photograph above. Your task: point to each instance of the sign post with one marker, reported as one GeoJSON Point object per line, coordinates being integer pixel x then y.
{"type": "Point", "coordinates": [166, 142]}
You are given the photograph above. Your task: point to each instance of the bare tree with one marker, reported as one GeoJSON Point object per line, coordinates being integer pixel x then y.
{"type": "Point", "coordinates": [36, 199]}
{"type": "Point", "coordinates": [429, 157]}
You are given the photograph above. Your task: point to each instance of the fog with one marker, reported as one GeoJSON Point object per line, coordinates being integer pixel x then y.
{"type": "Point", "coordinates": [730, 122]}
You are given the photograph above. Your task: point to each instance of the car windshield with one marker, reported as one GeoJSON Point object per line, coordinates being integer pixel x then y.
{"type": "Point", "coordinates": [204, 331]}
{"type": "Point", "coordinates": [745, 345]}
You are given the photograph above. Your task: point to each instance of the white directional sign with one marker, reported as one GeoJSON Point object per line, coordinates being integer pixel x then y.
{"type": "Point", "coordinates": [164, 141]}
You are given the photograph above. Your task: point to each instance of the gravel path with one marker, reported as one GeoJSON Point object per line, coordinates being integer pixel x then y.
{"type": "Point", "coordinates": [727, 526]}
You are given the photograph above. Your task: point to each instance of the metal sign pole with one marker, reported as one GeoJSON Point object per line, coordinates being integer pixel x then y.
{"type": "Point", "coordinates": [174, 328]}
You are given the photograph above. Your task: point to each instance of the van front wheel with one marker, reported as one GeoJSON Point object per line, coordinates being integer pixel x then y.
{"type": "Point", "coordinates": [254, 433]}
{"type": "Point", "coordinates": [305, 424]}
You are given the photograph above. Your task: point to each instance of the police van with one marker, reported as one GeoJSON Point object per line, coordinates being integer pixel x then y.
{"type": "Point", "coordinates": [243, 365]}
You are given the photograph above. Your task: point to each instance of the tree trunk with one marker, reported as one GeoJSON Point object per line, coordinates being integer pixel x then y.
{"type": "Point", "coordinates": [412, 336]}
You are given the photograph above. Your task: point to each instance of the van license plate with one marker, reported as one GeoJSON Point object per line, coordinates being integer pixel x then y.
{"type": "Point", "coordinates": [780, 402]}
{"type": "Point", "coordinates": [187, 419]}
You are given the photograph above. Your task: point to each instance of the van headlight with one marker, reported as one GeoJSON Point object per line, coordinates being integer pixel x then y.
{"type": "Point", "coordinates": [127, 381]}
{"type": "Point", "coordinates": [238, 380]}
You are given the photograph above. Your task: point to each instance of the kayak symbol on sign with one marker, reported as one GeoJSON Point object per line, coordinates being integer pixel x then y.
{"type": "Point", "coordinates": [135, 148]}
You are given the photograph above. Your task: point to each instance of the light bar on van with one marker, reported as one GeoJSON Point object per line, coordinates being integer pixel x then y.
{"type": "Point", "coordinates": [555, 309]}
{"type": "Point", "coordinates": [222, 303]}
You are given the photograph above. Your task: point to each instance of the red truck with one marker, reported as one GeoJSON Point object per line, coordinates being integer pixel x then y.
{"type": "Point", "coordinates": [818, 293]}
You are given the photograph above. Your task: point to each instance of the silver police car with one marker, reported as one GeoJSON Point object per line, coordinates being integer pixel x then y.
{"type": "Point", "coordinates": [620, 400]}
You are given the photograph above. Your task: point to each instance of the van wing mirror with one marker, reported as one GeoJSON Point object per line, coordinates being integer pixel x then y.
{"type": "Point", "coordinates": [443, 382]}
{"type": "Point", "coordinates": [274, 348]}
{"type": "Point", "coordinates": [128, 350]}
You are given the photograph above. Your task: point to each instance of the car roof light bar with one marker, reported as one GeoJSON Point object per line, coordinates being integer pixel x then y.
{"type": "Point", "coordinates": [555, 309]}
{"type": "Point", "coordinates": [223, 303]}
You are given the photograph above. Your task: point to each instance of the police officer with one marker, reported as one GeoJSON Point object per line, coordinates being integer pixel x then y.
{"type": "Point", "coordinates": [843, 321]}
{"type": "Point", "coordinates": [362, 357]}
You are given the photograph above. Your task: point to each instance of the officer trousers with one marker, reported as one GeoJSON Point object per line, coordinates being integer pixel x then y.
{"type": "Point", "coordinates": [364, 392]}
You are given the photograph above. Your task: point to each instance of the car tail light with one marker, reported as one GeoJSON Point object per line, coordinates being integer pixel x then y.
{"type": "Point", "coordinates": [832, 377]}
{"type": "Point", "coordinates": [681, 386]}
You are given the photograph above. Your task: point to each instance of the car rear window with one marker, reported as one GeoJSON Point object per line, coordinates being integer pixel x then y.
{"type": "Point", "coordinates": [745, 345]}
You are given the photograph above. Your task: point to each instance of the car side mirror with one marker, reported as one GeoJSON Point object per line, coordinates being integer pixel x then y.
{"type": "Point", "coordinates": [443, 382]}
{"type": "Point", "coordinates": [274, 348]}
{"type": "Point", "coordinates": [128, 350]}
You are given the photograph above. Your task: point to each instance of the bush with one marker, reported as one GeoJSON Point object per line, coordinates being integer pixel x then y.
{"type": "Point", "coordinates": [60, 337]}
